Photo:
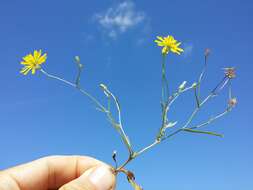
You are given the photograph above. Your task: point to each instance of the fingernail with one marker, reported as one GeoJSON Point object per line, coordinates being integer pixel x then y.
{"type": "Point", "coordinates": [102, 178]}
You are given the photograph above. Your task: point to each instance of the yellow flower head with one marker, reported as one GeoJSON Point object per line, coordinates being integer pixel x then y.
{"type": "Point", "coordinates": [169, 44]}
{"type": "Point", "coordinates": [32, 62]}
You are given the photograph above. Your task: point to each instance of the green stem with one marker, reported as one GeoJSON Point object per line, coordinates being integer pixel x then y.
{"type": "Point", "coordinates": [138, 153]}
{"type": "Point", "coordinates": [75, 86]}
{"type": "Point", "coordinates": [165, 85]}
{"type": "Point", "coordinates": [196, 97]}
{"type": "Point", "coordinates": [212, 119]}
{"type": "Point", "coordinates": [119, 129]}
{"type": "Point", "coordinates": [201, 76]}
{"type": "Point", "coordinates": [229, 90]}
{"type": "Point", "coordinates": [172, 99]}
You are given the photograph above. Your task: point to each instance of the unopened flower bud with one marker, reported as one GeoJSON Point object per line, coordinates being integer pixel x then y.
{"type": "Point", "coordinates": [77, 59]}
{"type": "Point", "coordinates": [207, 52]}
{"type": "Point", "coordinates": [194, 85]}
{"type": "Point", "coordinates": [103, 86]}
{"type": "Point", "coordinates": [114, 154]}
{"type": "Point", "coordinates": [105, 90]}
{"type": "Point", "coordinates": [182, 86]}
{"type": "Point", "coordinates": [232, 102]}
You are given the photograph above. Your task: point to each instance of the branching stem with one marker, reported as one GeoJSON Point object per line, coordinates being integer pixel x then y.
{"type": "Point", "coordinates": [77, 87]}
{"type": "Point", "coordinates": [172, 98]}
{"type": "Point", "coordinates": [118, 127]}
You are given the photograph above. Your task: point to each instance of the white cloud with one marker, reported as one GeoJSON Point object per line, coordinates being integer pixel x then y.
{"type": "Point", "coordinates": [117, 20]}
{"type": "Point", "coordinates": [188, 48]}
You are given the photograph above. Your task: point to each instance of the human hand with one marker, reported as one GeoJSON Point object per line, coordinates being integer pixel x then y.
{"type": "Point", "coordinates": [54, 172]}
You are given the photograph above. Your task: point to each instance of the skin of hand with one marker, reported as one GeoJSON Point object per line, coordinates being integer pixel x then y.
{"type": "Point", "coordinates": [59, 172]}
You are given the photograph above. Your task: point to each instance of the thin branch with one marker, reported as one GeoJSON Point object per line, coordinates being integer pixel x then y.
{"type": "Point", "coordinates": [119, 128]}
{"type": "Point", "coordinates": [58, 78]}
{"type": "Point", "coordinates": [216, 90]}
{"type": "Point", "coordinates": [173, 97]}
{"type": "Point", "coordinates": [165, 85]}
{"type": "Point", "coordinates": [201, 76]}
{"type": "Point", "coordinates": [75, 86]}
{"type": "Point", "coordinates": [229, 91]}
{"type": "Point", "coordinates": [196, 97]}
{"type": "Point", "coordinates": [212, 119]}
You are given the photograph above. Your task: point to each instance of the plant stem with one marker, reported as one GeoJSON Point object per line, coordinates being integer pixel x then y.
{"type": "Point", "coordinates": [189, 120]}
{"type": "Point", "coordinates": [201, 76]}
{"type": "Point", "coordinates": [212, 119]}
{"type": "Point", "coordinates": [146, 148]}
{"type": "Point", "coordinates": [124, 164]}
{"type": "Point", "coordinates": [173, 97]}
{"type": "Point", "coordinates": [196, 97]}
{"type": "Point", "coordinates": [75, 86]}
{"type": "Point", "coordinates": [120, 127]}
{"type": "Point", "coordinates": [138, 153]}
{"type": "Point", "coordinates": [165, 85]}
{"type": "Point", "coordinates": [108, 113]}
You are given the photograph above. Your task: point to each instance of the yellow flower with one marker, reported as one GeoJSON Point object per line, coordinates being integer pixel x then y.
{"type": "Point", "coordinates": [33, 62]}
{"type": "Point", "coordinates": [169, 44]}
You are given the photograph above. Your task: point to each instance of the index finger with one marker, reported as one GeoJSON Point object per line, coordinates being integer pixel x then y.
{"type": "Point", "coordinates": [46, 173]}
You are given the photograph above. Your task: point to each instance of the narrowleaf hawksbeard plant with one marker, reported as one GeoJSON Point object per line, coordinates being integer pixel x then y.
{"type": "Point", "coordinates": [168, 127]}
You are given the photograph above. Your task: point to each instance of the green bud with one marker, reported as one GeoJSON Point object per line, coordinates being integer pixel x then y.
{"type": "Point", "coordinates": [77, 59]}
{"type": "Point", "coordinates": [194, 85]}
{"type": "Point", "coordinates": [182, 86]}
{"type": "Point", "coordinates": [104, 88]}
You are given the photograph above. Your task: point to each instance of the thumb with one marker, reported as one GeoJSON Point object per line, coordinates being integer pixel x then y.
{"type": "Point", "coordinates": [96, 178]}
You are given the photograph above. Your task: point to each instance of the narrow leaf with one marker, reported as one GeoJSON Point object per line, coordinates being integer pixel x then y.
{"type": "Point", "coordinates": [203, 132]}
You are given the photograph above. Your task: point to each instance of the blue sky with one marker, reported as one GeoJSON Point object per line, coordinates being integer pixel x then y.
{"type": "Point", "coordinates": [114, 39]}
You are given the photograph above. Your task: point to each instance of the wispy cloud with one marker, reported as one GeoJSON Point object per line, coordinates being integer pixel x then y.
{"type": "Point", "coordinates": [188, 48]}
{"type": "Point", "coordinates": [118, 19]}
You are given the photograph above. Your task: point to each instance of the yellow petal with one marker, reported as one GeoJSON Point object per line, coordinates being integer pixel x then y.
{"type": "Point", "coordinates": [165, 50]}
{"type": "Point", "coordinates": [42, 59]}
{"type": "Point", "coordinates": [160, 38]}
{"type": "Point", "coordinates": [36, 54]}
{"type": "Point", "coordinates": [29, 58]}
{"type": "Point", "coordinates": [25, 63]}
{"type": "Point", "coordinates": [33, 70]}
{"type": "Point", "coordinates": [178, 44]}
{"type": "Point", "coordinates": [25, 70]}
{"type": "Point", "coordinates": [180, 49]}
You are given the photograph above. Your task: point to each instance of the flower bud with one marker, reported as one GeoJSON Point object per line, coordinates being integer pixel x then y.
{"type": "Point", "coordinates": [77, 59]}
{"type": "Point", "coordinates": [194, 85]}
{"type": "Point", "coordinates": [207, 52]}
{"type": "Point", "coordinates": [182, 86]}
{"type": "Point", "coordinates": [232, 102]}
{"type": "Point", "coordinates": [105, 90]}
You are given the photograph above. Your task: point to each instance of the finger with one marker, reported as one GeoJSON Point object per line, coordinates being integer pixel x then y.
{"type": "Point", "coordinates": [96, 178]}
{"type": "Point", "coordinates": [46, 173]}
